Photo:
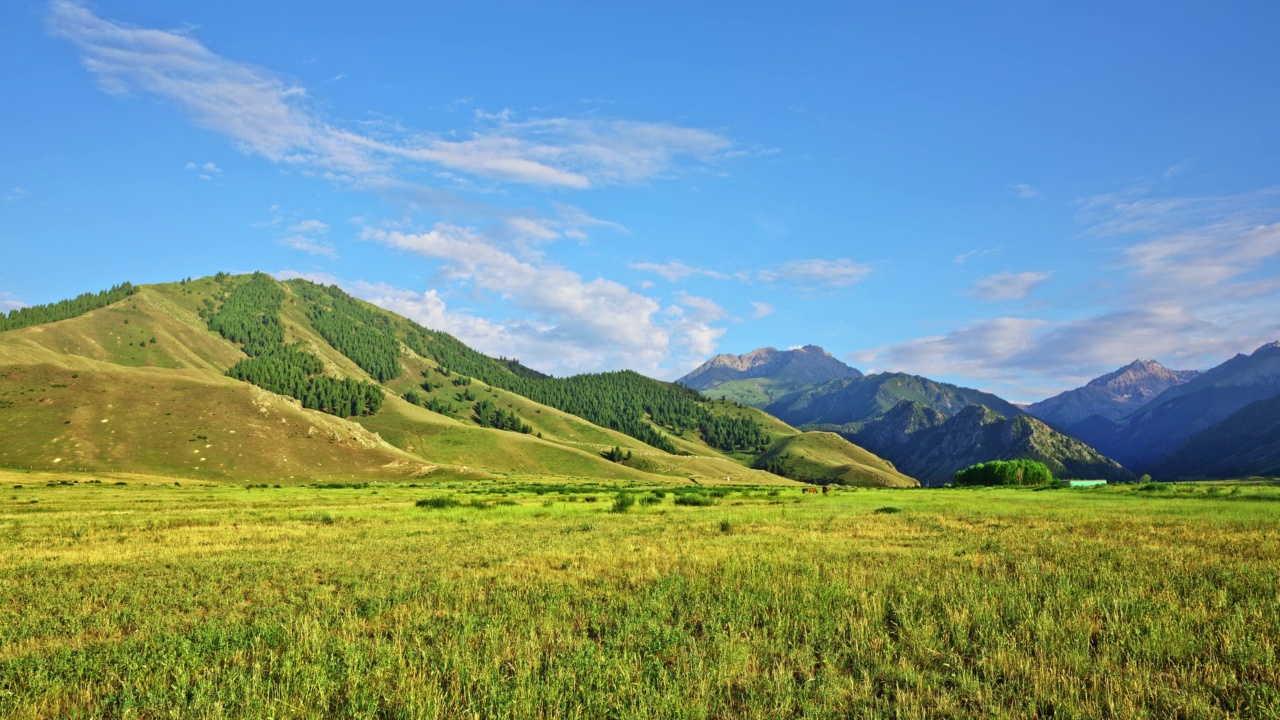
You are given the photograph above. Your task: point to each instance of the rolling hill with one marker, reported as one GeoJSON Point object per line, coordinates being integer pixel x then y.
{"type": "Point", "coordinates": [327, 387]}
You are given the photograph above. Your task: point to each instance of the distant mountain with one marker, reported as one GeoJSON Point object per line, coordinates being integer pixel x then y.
{"type": "Point", "coordinates": [763, 376]}
{"type": "Point", "coordinates": [930, 446]}
{"type": "Point", "coordinates": [852, 400]}
{"type": "Point", "coordinates": [1168, 421]}
{"type": "Point", "coordinates": [1112, 396]}
{"type": "Point", "coordinates": [1245, 444]}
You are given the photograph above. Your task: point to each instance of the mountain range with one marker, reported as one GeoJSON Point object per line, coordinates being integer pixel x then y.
{"type": "Point", "coordinates": [1143, 417]}
{"type": "Point", "coordinates": [1112, 396]}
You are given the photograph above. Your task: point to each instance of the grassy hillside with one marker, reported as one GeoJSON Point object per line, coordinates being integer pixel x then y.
{"type": "Point", "coordinates": [826, 458]}
{"type": "Point", "coordinates": [151, 359]}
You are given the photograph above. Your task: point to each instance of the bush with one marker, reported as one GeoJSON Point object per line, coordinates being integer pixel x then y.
{"type": "Point", "coordinates": [1005, 472]}
{"type": "Point", "coordinates": [726, 527]}
{"type": "Point", "coordinates": [650, 499]}
{"type": "Point", "coordinates": [692, 500]}
{"type": "Point", "coordinates": [622, 502]}
{"type": "Point", "coordinates": [438, 503]}
{"type": "Point", "coordinates": [887, 510]}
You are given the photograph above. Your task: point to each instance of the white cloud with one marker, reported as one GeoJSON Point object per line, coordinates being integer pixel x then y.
{"type": "Point", "coordinates": [1007, 286]}
{"type": "Point", "coordinates": [675, 270]}
{"type": "Point", "coordinates": [8, 301]}
{"type": "Point", "coordinates": [310, 245]}
{"type": "Point", "coordinates": [839, 272]}
{"type": "Point", "coordinates": [1024, 191]}
{"type": "Point", "coordinates": [570, 322]}
{"type": "Point", "coordinates": [760, 309]}
{"type": "Point", "coordinates": [272, 117]}
{"type": "Point", "coordinates": [15, 195]}
{"type": "Point", "coordinates": [305, 236]}
{"type": "Point", "coordinates": [1196, 283]}
{"type": "Point", "coordinates": [310, 227]}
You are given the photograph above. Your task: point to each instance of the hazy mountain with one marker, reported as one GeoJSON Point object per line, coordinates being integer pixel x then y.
{"type": "Point", "coordinates": [1162, 425]}
{"type": "Point", "coordinates": [1246, 443]}
{"type": "Point", "coordinates": [248, 378]}
{"type": "Point", "coordinates": [765, 375]}
{"type": "Point", "coordinates": [1112, 396]}
{"type": "Point", "coordinates": [930, 446]}
{"type": "Point", "coordinates": [851, 400]}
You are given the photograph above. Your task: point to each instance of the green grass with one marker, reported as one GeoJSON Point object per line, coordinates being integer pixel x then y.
{"type": "Point", "coordinates": [215, 600]}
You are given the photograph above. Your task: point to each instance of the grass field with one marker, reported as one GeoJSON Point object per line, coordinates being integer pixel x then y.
{"type": "Point", "coordinates": [528, 599]}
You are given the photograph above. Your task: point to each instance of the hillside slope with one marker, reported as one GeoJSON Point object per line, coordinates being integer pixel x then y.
{"type": "Point", "coordinates": [151, 367]}
{"type": "Point", "coordinates": [1245, 444]}
{"type": "Point", "coordinates": [827, 458]}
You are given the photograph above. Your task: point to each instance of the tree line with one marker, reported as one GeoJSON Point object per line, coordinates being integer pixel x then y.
{"type": "Point", "coordinates": [250, 315]}
{"type": "Point", "coordinates": [65, 309]}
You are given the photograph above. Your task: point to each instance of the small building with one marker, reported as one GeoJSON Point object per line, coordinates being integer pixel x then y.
{"type": "Point", "coordinates": [1083, 483]}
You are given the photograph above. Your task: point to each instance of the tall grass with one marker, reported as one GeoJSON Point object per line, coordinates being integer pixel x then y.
{"type": "Point", "coordinates": [208, 601]}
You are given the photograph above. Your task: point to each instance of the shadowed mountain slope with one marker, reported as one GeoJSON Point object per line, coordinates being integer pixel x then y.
{"type": "Point", "coordinates": [1162, 425]}
{"type": "Point", "coordinates": [926, 444]}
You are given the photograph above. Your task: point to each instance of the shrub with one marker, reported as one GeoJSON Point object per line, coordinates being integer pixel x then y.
{"type": "Point", "coordinates": [438, 503]}
{"type": "Point", "coordinates": [726, 527]}
{"type": "Point", "coordinates": [659, 494]}
{"type": "Point", "coordinates": [1005, 472]}
{"type": "Point", "coordinates": [887, 510]}
{"type": "Point", "coordinates": [650, 500]}
{"type": "Point", "coordinates": [622, 502]}
{"type": "Point", "coordinates": [323, 518]}
{"type": "Point", "coordinates": [692, 500]}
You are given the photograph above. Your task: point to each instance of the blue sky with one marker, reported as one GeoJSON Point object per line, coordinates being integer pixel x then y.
{"type": "Point", "coordinates": [1017, 198]}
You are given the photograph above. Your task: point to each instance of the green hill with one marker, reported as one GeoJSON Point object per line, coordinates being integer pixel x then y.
{"type": "Point", "coordinates": [337, 389]}
{"type": "Point", "coordinates": [826, 458]}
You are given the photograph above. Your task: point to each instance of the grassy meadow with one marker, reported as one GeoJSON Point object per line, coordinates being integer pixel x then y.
{"type": "Point", "coordinates": [139, 597]}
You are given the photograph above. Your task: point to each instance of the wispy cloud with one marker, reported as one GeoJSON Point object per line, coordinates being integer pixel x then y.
{"type": "Point", "coordinates": [675, 270]}
{"type": "Point", "coordinates": [760, 309]}
{"type": "Point", "coordinates": [965, 257]}
{"type": "Point", "coordinates": [9, 301]}
{"type": "Point", "coordinates": [817, 273]}
{"type": "Point", "coordinates": [15, 195]}
{"type": "Point", "coordinates": [1024, 191]}
{"type": "Point", "coordinates": [306, 236]}
{"type": "Point", "coordinates": [205, 171]}
{"type": "Point", "coordinates": [267, 115]}
{"type": "Point", "coordinates": [1007, 286]}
